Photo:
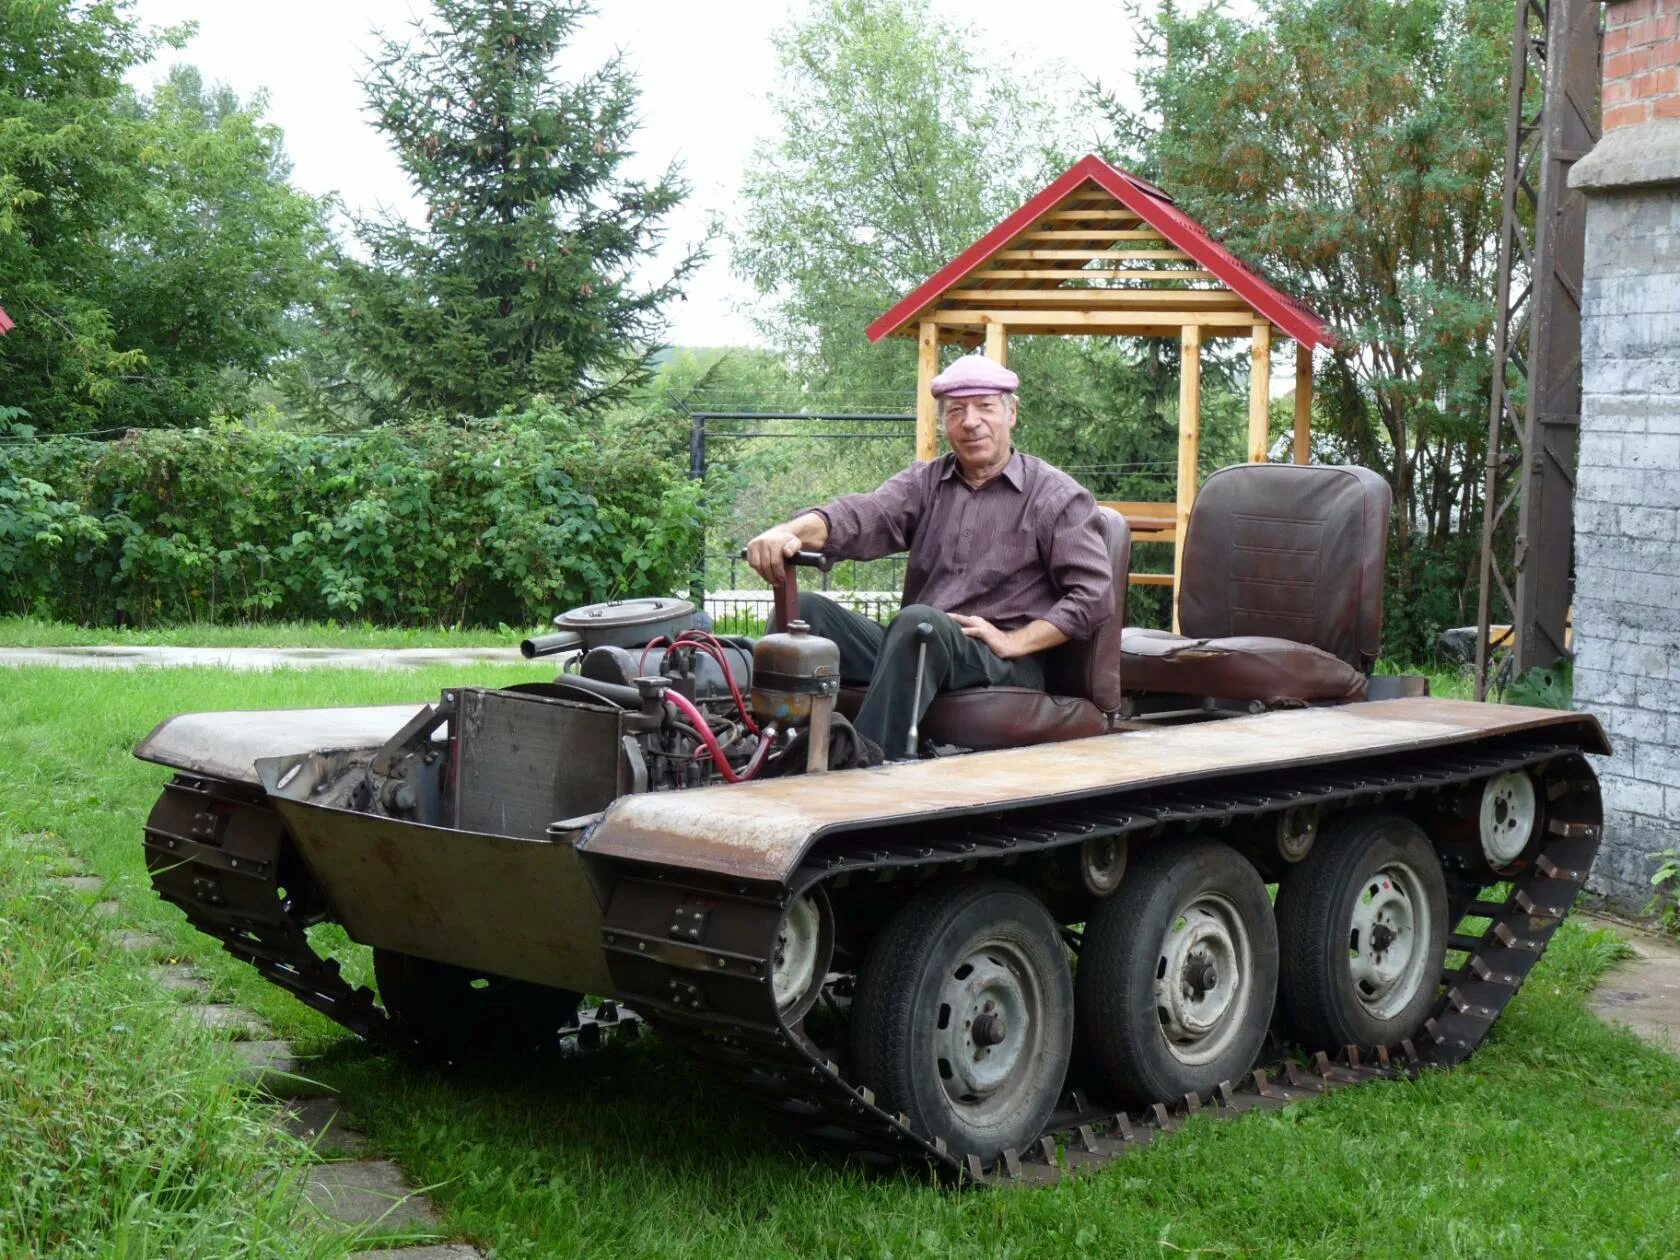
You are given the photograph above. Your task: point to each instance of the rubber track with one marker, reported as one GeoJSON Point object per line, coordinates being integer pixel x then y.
{"type": "Point", "coordinates": [690, 990]}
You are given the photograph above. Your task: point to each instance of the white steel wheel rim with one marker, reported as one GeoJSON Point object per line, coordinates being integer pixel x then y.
{"type": "Point", "coordinates": [989, 1026]}
{"type": "Point", "coordinates": [1386, 950]}
{"type": "Point", "coordinates": [1202, 972]}
{"type": "Point", "coordinates": [794, 963]}
{"type": "Point", "coordinates": [1507, 816]}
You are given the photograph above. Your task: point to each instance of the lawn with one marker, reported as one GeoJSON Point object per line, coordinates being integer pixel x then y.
{"type": "Point", "coordinates": [39, 632]}
{"type": "Point", "coordinates": [1560, 1137]}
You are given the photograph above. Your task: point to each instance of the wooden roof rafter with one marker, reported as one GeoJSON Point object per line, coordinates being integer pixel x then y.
{"type": "Point", "coordinates": [1097, 242]}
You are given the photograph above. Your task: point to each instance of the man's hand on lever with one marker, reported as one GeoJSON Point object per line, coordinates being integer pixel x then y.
{"type": "Point", "coordinates": [1006, 645]}
{"type": "Point", "coordinates": [769, 553]}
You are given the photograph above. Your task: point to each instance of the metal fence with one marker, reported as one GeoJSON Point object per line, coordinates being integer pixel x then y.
{"type": "Point", "coordinates": [748, 611]}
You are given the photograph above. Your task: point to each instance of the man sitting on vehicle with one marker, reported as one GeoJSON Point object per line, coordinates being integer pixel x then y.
{"type": "Point", "coordinates": [1006, 560]}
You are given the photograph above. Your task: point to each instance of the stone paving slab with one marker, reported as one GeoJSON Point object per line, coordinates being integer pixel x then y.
{"type": "Point", "coordinates": [1642, 993]}
{"type": "Point", "coordinates": [78, 883]}
{"type": "Point", "coordinates": [443, 1251]}
{"type": "Point", "coordinates": [323, 1124]}
{"type": "Point", "coordinates": [252, 658]}
{"type": "Point", "coordinates": [264, 1058]}
{"type": "Point", "coordinates": [108, 909]}
{"type": "Point", "coordinates": [178, 978]}
{"type": "Point", "coordinates": [225, 1018]}
{"type": "Point", "coordinates": [368, 1192]}
{"type": "Point", "coordinates": [139, 942]}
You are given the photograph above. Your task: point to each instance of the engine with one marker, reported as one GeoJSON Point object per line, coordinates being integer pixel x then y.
{"type": "Point", "coordinates": [645, 702]}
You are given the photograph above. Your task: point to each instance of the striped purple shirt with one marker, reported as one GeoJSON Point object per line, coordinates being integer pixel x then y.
{"type": "Point", "coordinates": [1025, 546]}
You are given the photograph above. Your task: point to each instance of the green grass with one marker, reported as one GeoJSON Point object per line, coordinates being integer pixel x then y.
{"type": "Point", "coordinates": [1561, 1136]}
{"type": "Point", "coordinates": [39, 632]}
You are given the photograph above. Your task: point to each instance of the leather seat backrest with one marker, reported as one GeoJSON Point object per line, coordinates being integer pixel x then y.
{"type": "Point", "coordinates": [1288, 551]}
{"type": "Point", "coordinates": [1091, 667]}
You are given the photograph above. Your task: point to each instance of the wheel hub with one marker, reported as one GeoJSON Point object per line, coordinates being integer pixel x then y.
{"type": "Point", "coordinates": [1384, 954]}
{"type": "Point", "coordinates": [1200, 977]}
{"type": "Point", "coordinates": [1507, 816]}
{"type": "Point", "coordinates": [799, 952]}
{"type": "Point", "coordinates": [986, 1027]}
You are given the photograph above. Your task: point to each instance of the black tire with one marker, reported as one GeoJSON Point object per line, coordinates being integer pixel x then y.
{"type": "Point", "coordinates": [452, 1013]}
{"type": "Point", "coordinates": [1368, 867]}
{"type": "Point", "coordinates": [1196, 910]}
{"type": "Point", "coordinates": [990, 955]}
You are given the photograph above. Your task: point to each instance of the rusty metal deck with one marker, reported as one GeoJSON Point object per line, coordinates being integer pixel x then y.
{"type": "Point", "coordinates": [760, 831]}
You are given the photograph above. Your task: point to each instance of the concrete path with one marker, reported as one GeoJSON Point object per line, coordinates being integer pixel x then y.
{"type": "Point", "coordinates": [257, 658]}
{"type": "Point", "coordinates": [1642, 993]}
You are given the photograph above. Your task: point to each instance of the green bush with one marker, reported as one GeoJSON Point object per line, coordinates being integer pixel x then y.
{"type": "Point", "coordinates": [504, 520]}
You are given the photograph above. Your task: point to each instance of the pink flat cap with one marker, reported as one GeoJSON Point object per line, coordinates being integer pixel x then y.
{"type": "Point", "coordinates": [974, 374]}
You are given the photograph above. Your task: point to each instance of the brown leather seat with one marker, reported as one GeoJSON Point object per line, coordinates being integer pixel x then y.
{"type": "Point", "coordinates": [1083, 680]}
{"type": "Point", "coordinates": [1281, 597]}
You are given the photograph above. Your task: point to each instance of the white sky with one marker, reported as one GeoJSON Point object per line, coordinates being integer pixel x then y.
{"type": "Point", "coordinates": [705, 70]}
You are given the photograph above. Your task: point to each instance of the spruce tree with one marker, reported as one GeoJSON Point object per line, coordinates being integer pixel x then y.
{"type": "Point", "coordinates": [522, 280]}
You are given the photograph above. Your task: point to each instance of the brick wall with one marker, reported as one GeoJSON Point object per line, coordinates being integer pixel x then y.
{"type": "Point", "coordinates": [1641, 62]}
{"type": "Point", "coordinates": [1627, 504]}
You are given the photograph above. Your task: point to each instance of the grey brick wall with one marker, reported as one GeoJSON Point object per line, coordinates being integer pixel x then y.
{"type": "Point", "coordinates": [1627, 505]}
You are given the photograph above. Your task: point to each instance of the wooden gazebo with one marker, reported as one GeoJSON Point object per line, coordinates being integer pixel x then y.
{"type": "Point", "coordinates": [1100, 252]}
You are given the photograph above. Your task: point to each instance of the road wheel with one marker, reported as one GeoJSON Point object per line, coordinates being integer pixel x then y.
{"type": "Point", "coordinates": [1362, 926]}
{"type": "Point", "coordinates": [455, 1013]}
{"type": "Point", "coordinates": [963, 1018]}
{"type": "Point", "coordinates": [1178, 973]}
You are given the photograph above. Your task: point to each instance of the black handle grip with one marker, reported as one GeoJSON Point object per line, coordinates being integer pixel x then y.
{"type": "Point", "coordinates": [804, 559]}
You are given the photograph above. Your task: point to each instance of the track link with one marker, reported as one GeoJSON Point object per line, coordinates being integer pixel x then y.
{"type": "Point", "coordinates": [694, 954]}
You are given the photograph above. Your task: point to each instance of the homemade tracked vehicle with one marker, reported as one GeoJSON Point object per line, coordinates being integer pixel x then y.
{"type": "Point", "coordinates": [1051, 930]}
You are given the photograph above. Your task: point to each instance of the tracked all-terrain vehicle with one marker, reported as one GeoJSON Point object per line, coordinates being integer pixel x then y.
{"type": "Point", "coordinates": [1039, 943]}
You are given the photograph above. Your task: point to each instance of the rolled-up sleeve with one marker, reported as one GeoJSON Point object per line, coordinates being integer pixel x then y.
{"type": "Point", "coordinates": [1080, 569]}
{"type": "Point", "coordinates": [880, 523]}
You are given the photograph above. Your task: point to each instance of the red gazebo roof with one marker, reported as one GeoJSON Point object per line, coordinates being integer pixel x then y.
{"type": "Point", "coordinates": [1150, 205]}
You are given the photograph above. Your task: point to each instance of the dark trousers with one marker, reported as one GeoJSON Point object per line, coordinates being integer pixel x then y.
{"type": "Point", "coordinates": [884, 657]}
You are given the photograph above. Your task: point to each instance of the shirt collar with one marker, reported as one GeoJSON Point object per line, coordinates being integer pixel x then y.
{"type": "Point", "coordinates": [1014, 472]}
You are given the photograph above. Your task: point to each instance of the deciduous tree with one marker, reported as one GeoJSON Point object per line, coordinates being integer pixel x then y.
{"type": "Point", "coordinates": [149, 247]}
{"type": "Point", "coordinates": [896, 146]}
{"type": "Point", "coordinates": [1355, 149]}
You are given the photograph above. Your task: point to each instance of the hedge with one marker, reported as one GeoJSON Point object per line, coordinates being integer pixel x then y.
{"type": "Point", "coordinates": [500, 521]}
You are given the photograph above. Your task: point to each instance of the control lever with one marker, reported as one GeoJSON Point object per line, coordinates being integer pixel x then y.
{"type": "Point", "coordinates": [924, 632]}
{"type": "Point", "coordinates": [786, 596]}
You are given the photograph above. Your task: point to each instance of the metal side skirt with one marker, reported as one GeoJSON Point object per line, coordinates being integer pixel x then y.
{"type": "Point", "coordinates": [515, 907]}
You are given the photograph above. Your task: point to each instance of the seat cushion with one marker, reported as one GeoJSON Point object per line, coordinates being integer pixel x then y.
{"type": "Point", "coordinates": [1245, 667]}
{"type": "Point", "coordinates": [1009, 717]}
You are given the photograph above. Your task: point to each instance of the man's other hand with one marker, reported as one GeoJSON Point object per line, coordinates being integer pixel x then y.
{"type": "Point", "coordinates": [769, 553]}
{"type": "Point", "coordinates": [1006, 645]}
{"type": "Point", "coordinates": [1003, 647]}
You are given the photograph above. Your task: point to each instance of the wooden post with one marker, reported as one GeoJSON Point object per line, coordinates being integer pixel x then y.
{"type": "Point", "coordinates": [1260, 395]}
{"type": "Point", "coordinates": [1303, 402]}
{"type": "Point", "coordinates": [997, 344]}
{"type": "Point", "coordinates": [927, 367]}
{"type": "Point", "coordinates": [1189, 443]}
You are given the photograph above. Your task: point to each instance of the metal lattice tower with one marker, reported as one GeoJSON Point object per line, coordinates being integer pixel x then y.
{"type": "Point", "coordinates": [1535, 417]}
